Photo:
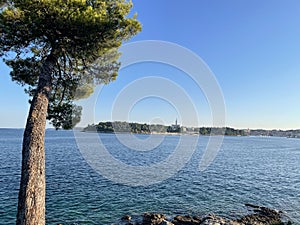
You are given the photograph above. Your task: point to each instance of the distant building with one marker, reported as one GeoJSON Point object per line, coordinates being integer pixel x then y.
{"type": "Point", "coordinates": [247, 132]}
{"type": "Point", "coordinates": [174, 128]}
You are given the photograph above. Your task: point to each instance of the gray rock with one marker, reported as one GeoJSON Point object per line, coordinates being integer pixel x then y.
{"type": "Point", "coordinates": [258, 216]}
{"type": "Point", "coordinates": [165, 222]}
{"type": "Point", "coordinates": [215, 220]}
{"type": "Point", "coordinates": [186, 220]}
{"type": "Point", "coordinates": [153, 218]}
{"type": "Point", "coordinates": [261, 216]}
{"type": "Point", "coordinates": [126, 218]}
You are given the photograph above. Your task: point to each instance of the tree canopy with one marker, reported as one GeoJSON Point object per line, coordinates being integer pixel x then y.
{"type": "Point", "coordinates": [59, 50]}
{"type": "Point", "coordinates": [82, 37]}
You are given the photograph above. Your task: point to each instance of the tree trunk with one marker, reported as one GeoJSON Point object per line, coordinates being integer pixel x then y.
{"type": "Point", "coordinates": [31, 205]}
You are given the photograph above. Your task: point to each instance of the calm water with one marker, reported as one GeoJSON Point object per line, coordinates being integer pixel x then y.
{"type": "Point", "coordinates": [257, 170]}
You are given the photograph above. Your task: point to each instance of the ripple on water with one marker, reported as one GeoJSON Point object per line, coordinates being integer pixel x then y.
{"type": "Point", "coordinates": [263, 171]}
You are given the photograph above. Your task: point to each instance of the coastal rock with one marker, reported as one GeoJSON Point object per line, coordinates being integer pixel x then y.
{"type": "Point", "coordinates": [126, 218]}
{"type": "Point", "coordinates": [215, 220]}
{"type": "Point", "coordinates": [186, 220]}
{"type": "Point", "coordinates": [258, 216]}
{"type": "Point", "coordinates": [261, 216]}
{"type": "Point", "coordinates": [153, 218]}
{"type": "Point", "coordinates": [165, 222]}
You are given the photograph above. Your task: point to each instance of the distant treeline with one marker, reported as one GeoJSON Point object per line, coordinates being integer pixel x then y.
{"type": "Point", "coordinates": [276, 133]}
{"type": "Point", "coordinates": [221, 131]}
{"type": "Point", "coordinates": [138, 128]}
{"type": "Point", "coordinates": [124, 127]}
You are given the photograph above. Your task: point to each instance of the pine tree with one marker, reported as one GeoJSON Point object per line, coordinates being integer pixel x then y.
{"type": "Point", "coordinates": [59, 50]}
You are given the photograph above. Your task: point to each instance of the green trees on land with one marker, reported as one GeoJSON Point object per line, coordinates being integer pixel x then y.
{"type": "Point", "coordinates": [221, 131]}
{"type": "Point", "coordinates": [233, 132]}
{"type": "Point", "coordinates": [111, 127]}
{"type": "Point", "coordinates": [124, 127]}
{"type": "Point", "coordinates": [59, 50]}
{"type": "Point", "coordinates": [138, 128]}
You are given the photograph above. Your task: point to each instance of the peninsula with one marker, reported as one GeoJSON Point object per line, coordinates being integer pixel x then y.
{"type": "Point", "coordinates": [143, 128]}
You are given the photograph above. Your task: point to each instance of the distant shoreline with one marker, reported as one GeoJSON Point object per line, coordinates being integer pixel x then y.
{"type": "Point", "coordinates": [138, 128]}
{"type": "Point", "coordinates": [252, 132]}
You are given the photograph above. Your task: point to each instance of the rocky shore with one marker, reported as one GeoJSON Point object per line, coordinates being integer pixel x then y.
{"type": "Point", "coordinates": [258, 216]}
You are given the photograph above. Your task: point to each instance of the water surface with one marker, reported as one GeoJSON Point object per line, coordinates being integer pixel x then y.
{"type": "Point", "coordinates": [258, 170]}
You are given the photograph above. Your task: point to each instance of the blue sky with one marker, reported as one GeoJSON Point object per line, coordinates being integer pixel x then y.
{"type": "Point", "coordinates": [252, 47]}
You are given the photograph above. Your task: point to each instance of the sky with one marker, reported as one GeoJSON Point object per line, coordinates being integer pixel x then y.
{"type": "Point", "coordinates": [251, 47]}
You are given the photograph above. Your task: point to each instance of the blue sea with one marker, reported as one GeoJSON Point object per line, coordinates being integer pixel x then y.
{"type": "Point", "coordinates": [258, 170]}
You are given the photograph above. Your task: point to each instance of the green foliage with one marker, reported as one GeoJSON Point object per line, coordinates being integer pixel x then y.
{"type": "Point", "coordinates": [118, 126]}
{"type": "Point", "coordinates": [158, 128]}
{"type": "Point", "coordinates": [64, 115]}
{"type": "Point", "coordinates": [25, 71]}
{"type": "Point", "coordinates": [82, 35]}
{"type": "Point", "coordinates": [204, 130]}
{"type": "Point", "coordinates": [110, 127]}
{"type": "Point", "coordinates": [174, 129]}
{"type": "Point", "coordinates": [221, 131]}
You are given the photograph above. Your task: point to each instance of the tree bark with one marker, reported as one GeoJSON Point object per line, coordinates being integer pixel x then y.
{"type": "Point", "coordinates": [32, 193]}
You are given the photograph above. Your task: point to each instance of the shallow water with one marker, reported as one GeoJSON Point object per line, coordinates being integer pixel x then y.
{"type": "Point", "coordinates": [258, 170]}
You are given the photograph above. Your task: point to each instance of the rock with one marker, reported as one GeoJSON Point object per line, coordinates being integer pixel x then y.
{"type": "Point", "coordinates": [153, 218]}
{"type": "Point", "coordinates": [252, 206]}
{"type": "Point", "coordinates": [233, 223]}
{"type": "Point", "coordinates": [261, 216]}
{"type": "Point", "coordinates": [214, 220]}
{"type": "Point", "coordinates": [186, 220]}
{"type": "Point", "coordinates": [258, 216]}
{"type": "Point", "coordinates": [126, 218]}
{"type": "Point", "coordinates": [165, 222]}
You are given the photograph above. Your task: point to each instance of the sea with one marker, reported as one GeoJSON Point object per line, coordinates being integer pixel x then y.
{"type": "Point", "coordinates": [94, 178]}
